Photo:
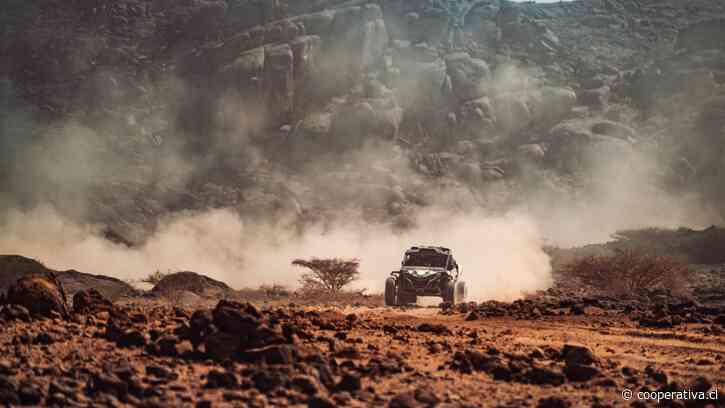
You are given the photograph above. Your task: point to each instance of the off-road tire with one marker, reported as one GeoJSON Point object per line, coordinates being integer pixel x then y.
{"type": "Point", "coordinates": [391, 292]}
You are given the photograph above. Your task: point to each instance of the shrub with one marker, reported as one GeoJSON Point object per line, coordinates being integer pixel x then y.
{"type": "Point", "coordinates": [275, 290]}
{"type": "Point", "coordinates": [329, 275]}
{"type": "Point", "coordinates": [155, 277]}
{"type": "Point", "coordinates": [629, 272]}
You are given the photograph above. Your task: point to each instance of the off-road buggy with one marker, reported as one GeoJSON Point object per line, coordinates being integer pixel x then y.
{"type": "Point", "coordinates": [425, 271]}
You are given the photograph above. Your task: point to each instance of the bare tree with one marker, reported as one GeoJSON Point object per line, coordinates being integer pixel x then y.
{"type": "Point", "coordinates": [330, 275]}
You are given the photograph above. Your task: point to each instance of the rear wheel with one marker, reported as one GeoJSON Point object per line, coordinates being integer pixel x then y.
{"type": "Point", "coordinates": [391, 292]}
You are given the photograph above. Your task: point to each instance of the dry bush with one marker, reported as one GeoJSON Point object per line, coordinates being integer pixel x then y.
{"type": "Point", "coordinates": [327, 275]}
{"type": "Point", "coordinates": [155, 277]}
{"type": "Point", "coordinates": [629, 272]}
{"type": "Point", "coordinates": [275, 290]}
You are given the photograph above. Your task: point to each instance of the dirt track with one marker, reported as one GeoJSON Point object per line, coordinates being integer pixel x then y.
{"type": "Point", "coordinates": [412, 357]}
{"type": "Point", "coordinates": [685, 353]}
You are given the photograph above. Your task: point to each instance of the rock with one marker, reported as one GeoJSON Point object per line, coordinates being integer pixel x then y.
{"type": "Point", "coordinates": [90, 301]}
{"type": "Point", "coordinates": [14, 312]}
{"type": "Point", "coordinates": [577, 355]}
{"type": "Point", "coordinates": [14, 267]}
{"type": "Point", "coordinates": [245, 69]}
{"type": "Point", "coordinates": [275, 354]}
{"type": "Point", "coordinates": [109, 287]}
{"type": "Point", "coordinates": [473, 315]}
{"type": "Point", "coordinates": [221, 379]}
{"type": "Point", "coordinates": [29, 393]}
{"type": "Point", "coordinates": [306, 51]}
{"type": "Point", "coordinates": [655, 374]}
{"type": "Point", "coordinates": [543, 376]}
{"type": "Point", "coordinates": [8, 391]}
{"type": "Point", "coordinates": [200, 325]}
{"type": "Point", "coordinates": [268, 379]}
{"type": "Point", "coordinates": [439, 329]}
{"type": "Point", "coordinates": [229, 318]}
{"type": "Point", "coordinates": [477, 118]}
{"type": "Point", "coordinates": [320, 402]}
{"type": "Point", "coordinates": [425, 86]}
{"type": "Point", "coordinates": [132, 338]}
{"type": "Point", "coordinates": [221, 346]}
{"type": "Point", "coordinates": [572, 142]}
{"type": "Point", "coordinates": [531, 152]}
{"type": "Point", "coordinates": [470, 77]}
{"type": "Point", "coordinates": [317, 23]}
{"type": "Point", "coordinates": [192, 282]}
{"type": "Point", "coordinates": [44, 338]}
{"type": "Point", "coordinates": [594, 98]}
{"type": "Point", "coordinates": [41, 295]}
{"type": "Point", "coordinates": [580, 373]}
{"type": "Point", "coordinates": [553, 104]}
{"type": "Point", "coordinates": [553, 402]}
{"type": "Point", "coordinates": [512, 112]}
{"type": "Point", "coordinates": [349, 382]}
{"type": "Point", "coordinates": [404, 400]}
{"type": "Point", "coordinates": [108, 383]}
{"type": "Point", "coordinates": [306, 384]}
{"type": "Point", "coordinates": [169, 345]}
{"type": "Point", "coordinates": [700, 384]}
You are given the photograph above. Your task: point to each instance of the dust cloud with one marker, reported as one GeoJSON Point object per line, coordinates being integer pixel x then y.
{"type": "Point", "coordinates": [501, 258]}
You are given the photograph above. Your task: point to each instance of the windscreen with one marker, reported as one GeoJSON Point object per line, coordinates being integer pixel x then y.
{"type": "Point", "coordinates": [429, 259]}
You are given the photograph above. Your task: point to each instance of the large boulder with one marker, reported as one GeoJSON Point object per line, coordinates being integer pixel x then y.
{"type": "Point", "coordinates": [552, 104]}
{"type": "Point", "coordinates": [245, 70]}
{"type": "Point", "coordinates": [470, 77]}
{"type": "Point", "coordinates": [91, 302]}
{"type": "Point", "coordinates": [360, 38]}
{"type": "Point", "coordinates": [573, 143]}
{"type": "Point", "coordinates": [14, 267]}
{"type": "Point", "coordinates": [191, 282]}
{"type": "Point", "coordinates": [108, 287]}
{"type": "Point", "coordinates": [594, 98]}
{"type": "Point", "coordinates": [512, 112]}
{"type": "Point", "coordinates": [41, 294]}
{"type": "Point", "coordinates": [423, 86]}
{"type": "Point", "coordinates": [476, 118]}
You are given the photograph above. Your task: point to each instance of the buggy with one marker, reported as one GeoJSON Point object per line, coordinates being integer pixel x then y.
{"type": "Point", "coordinates": [425, 271]}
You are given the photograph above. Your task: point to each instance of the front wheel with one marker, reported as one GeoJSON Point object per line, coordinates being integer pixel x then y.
{"type": "Point", "coordinates": [391, 292]}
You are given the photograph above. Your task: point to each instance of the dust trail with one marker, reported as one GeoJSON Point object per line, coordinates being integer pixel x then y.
{"type": "Point", "coordinates": [501, 258]}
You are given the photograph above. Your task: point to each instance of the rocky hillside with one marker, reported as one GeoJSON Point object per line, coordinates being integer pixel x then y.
{"type": "Point", "coordinates": [120, 112]}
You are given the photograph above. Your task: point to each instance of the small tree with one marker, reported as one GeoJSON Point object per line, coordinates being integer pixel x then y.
{"type": "Point", "coordinates": [330, 275]}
